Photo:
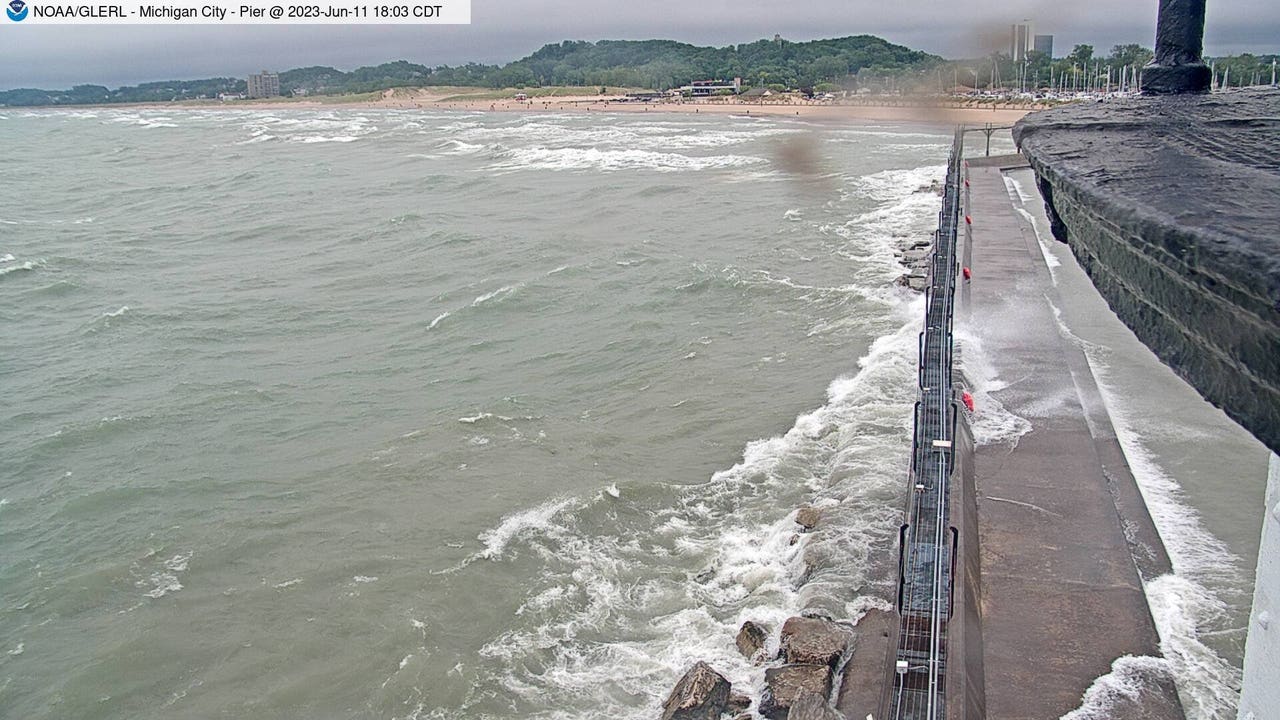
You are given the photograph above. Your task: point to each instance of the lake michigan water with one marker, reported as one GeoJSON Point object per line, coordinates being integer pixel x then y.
{"type": "Point", "coordinates": [401, 414]}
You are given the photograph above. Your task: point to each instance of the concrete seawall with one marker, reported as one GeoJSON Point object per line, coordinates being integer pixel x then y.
{"type": "Point", "coordinates": [1064, 538]}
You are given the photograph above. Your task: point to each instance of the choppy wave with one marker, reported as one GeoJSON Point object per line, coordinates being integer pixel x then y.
{"type": "Point", "coordinates": [572, 158]}
{"type": "Point", "coordinates": [10, 265]}
{"type": "Point", "coordinates": [166, 579]}
{"type": "Point", "coordinates": [991, 422]}
{"type": "Point", "coordinates": [1129, 678]}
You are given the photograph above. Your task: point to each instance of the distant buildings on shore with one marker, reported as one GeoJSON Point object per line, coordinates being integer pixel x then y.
{"type": "Point", "coordinates": [704, 88]}
{"type": "Point", "coordinates": [1022, 41]}
{"type": "Point", "coordinates": [264, 85]}
{"type": "Point", "coordinates": [1044, 45]}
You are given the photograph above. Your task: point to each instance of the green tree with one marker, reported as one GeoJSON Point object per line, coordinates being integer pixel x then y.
{"type": "Point", "coordinates": [1080, 55]}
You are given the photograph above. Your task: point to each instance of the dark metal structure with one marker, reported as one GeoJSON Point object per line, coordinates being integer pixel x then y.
{"type": "Point", "coordinates": [927, 539]}
{"type": "Point", "coordinates": [1178, 66]}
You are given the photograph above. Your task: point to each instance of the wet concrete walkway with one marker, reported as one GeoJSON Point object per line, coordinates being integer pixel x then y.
{"type": "Point", "coordinates": [1063, 532]}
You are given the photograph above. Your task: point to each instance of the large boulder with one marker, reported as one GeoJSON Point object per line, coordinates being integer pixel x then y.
{"type": "Point", "coordinates": [814, 641]}
{"type": "Point", "coordinates": [808, 517]}
{"type": "Point", "coordinates": [783, 686]}
{"type": "Point", "coordinates": [811, 706]}
{"type": "Point", "coordinates": [751, 639]}
{"type": "Point", "coordinates": [739, 703]}
{"type": "Point", "coordinates": [702, 694]}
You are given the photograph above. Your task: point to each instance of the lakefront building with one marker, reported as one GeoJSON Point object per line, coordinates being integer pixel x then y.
{"type": "Point", "coordinates": [1044, 44]}
{"type": "Point", "coordinates": [264, 84]}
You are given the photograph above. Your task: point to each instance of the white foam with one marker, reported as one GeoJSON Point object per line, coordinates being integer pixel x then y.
{"type": "Point", "coordinates": [364, 579]}
{"type": "Point", "coordinates": [439, 319]}
{"type": "Point", "coordinates": [287, 583]}
{"type": "Point", "coordinates": [496, 540]}
{"type": "Point", "coordinates": [498, 294]}
{"type": "Point", "coordinates": [324, 139]}
{"type": "Point", "coordinates": [1129, 676]}
{"type": "Point", "coordinates": [607, 610]}
{"type": "Point", "coordinates": [18, 649]}
{"type": "Point", "coordinates": [1016, 187]}
{"type": "Point", "coordinates": [1181, 604]}
{"type": "Point", "coordinates": [117, 313]}
{"type": "Point", "coordinates": [28, 265]}
{"type": "Point", "coordinates": [572, 158]}
{"type": "Point", "coordinates": [990, 422]}
{"type": "Point", "coordinates": [7, 258]}
{"type": "Point", "coordinates": [166, 581]}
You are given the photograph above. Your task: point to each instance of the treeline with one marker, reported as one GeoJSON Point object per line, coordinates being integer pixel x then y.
{"type": "Point", "coordinates": [860, 62]}
{"type": "Point", "coordinates": [652, 64]}
{"type": "Point", "coordinates": [165, 91]}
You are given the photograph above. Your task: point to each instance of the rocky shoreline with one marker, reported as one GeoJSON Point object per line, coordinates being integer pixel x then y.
{"type": "Point", "coordinates": [813, 674]}
{"type": "Point", "coordinates": [803, 680]}
{"type": "Point", "coordinates": [914, 254]}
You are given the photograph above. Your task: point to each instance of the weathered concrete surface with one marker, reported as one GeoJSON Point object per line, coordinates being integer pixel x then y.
{"type": "Point", "coordinates": [1061, 597]}
{"type": "Point", "coordinates": [864, 686]}
{"type": "Point", "coordinates": [1170, 204]}
{"type": "Point", "coordinates": [966, 676]}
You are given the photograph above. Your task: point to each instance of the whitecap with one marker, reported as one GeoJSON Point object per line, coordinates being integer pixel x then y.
{"type": "Point", "coordinates": [1129, 677]}
{"type": "Point", "coordinates": [496, 539]}
{"type": "Point", "coordinates": [28, 265]}
{"type": "Point", "coordinates": [439, 318]}
{"type": "Point", "coordinates": [498, 294]}
{"type": "Point", "coordinates": [165, 581]}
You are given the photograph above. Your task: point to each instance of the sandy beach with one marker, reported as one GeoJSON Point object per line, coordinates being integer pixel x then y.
{"type": "Point", "coordinates": [875, 109]}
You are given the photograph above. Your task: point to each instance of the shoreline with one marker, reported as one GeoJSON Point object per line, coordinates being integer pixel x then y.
{"type": "Point", "coordinates": [587, 104]}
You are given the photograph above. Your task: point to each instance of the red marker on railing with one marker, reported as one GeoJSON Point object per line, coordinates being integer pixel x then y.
{"type": "Point", "coordinates": [967, 274]}
{"type": "Point", "coordinates": [968, 220]}
{"type": "Point", "coordinates": [967, 399]}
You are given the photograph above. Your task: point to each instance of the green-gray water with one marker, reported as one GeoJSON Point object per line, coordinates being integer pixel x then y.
{"type": "Point", "coordinates": [393, 414]}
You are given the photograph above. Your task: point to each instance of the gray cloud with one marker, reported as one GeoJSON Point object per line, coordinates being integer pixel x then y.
{"type": "Point", "coordinates": [503, 30]}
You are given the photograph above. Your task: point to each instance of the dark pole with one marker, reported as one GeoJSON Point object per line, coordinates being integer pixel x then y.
{"type": "Point", "coordinates": [1177, 66]}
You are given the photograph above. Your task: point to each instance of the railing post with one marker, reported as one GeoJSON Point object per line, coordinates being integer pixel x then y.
{"type": "Point", "coordinates": [1177, 66]}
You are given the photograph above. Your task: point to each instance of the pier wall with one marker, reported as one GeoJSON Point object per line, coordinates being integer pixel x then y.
{"type": "Point", "coordinates": [1169, 204]}
{"type": "Point", "coordinates": [966, 680]}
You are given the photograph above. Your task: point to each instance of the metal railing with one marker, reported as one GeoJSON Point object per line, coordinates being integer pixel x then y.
{"type": "Point", "coordinates": [926, 564]}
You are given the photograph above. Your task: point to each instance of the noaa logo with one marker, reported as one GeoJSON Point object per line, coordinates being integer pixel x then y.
{"type": "Point", "coordinates": [17, 10]}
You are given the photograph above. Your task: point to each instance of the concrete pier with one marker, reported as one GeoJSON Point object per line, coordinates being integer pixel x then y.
{"type": "Point", "coordinates": [1064, 536]}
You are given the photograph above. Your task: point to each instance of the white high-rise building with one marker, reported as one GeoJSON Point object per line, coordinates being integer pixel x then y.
{"type": "Point", "coordinates": [1021, 41]}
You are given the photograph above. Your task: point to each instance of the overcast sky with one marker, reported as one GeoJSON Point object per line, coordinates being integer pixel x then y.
{"type": "Point", "coordinates": [503, 30]}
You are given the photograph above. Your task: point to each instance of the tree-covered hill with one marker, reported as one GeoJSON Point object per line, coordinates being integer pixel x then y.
{"type": "Point", "coordinates": [655, 64]}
